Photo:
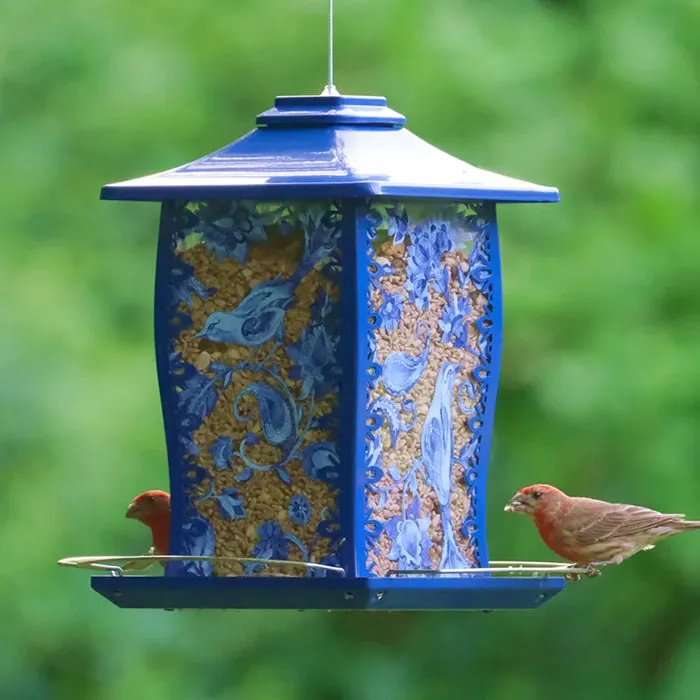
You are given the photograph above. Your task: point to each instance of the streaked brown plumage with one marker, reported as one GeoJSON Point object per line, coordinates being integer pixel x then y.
{"type": "Point", "coordinates": [590, 532]}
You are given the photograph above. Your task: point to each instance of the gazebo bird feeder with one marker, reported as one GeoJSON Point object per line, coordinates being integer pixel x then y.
{"type": "Point", "coordinates": [328, 341]}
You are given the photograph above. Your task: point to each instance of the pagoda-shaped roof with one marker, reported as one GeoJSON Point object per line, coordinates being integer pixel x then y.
{"type": "Point", "coordinates": [329, 146]}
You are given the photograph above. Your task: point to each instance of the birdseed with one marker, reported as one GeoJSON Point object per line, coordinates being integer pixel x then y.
{"type": "Point", "coordinates": [265, 497]}
{"type": "Point", "coordinates": [408, 444]}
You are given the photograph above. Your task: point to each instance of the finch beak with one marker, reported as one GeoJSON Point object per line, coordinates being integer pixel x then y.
{"type": "Point", "coordinates": [514, 506]}
{"type": "Point", "coordinates": [133, 510]}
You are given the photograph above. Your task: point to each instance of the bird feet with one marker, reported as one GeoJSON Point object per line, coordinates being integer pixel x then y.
{"type": "Point", "coordinates": [591, 572]}
{"type": "Point", "coordinates": [592, 568]}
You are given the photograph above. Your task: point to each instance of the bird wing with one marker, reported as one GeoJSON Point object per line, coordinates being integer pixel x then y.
{"type": "Point", "coordinates": [622, 521]}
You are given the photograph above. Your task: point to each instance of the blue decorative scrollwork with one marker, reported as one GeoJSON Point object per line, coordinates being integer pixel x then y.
{"type": "Point", "coordinates": [430, 272]}
{"type": "Point", "coordinates": [254, 318]}
{"type": "Point", "coordinates": [198, 540]}
{"type": "Point", "coordinates": [437, 451]}
{"type": "Point", "coordinates": [252, 305]}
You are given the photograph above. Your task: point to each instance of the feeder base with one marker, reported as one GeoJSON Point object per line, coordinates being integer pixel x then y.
{"type": "Point", "coordinates": [287, 593]}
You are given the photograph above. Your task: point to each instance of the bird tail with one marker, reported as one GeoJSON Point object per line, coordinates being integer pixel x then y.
{"type": "Point", "coordinates": [688, 525]}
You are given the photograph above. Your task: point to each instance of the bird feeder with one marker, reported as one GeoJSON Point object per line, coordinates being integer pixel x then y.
{"type": "Point", "coordinates": [328, 342]}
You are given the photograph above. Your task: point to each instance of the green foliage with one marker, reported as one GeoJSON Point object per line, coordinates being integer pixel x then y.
{"type": "Point", "coordinates": [600, 378]}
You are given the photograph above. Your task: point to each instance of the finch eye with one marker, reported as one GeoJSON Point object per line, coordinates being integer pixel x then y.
{"type": "Point", "coordinates": [536, 495]}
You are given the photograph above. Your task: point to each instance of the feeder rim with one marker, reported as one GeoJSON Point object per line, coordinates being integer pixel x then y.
{"type": "Point", "coordinates": [500, 567]}
{"type": "Point", "coordinates": [101, 562]}
{"type": "Point", "coordinates": [507, 567]}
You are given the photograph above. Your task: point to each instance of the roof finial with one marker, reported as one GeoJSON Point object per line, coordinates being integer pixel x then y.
{"type": "Point", "coordinates": [330, 89]}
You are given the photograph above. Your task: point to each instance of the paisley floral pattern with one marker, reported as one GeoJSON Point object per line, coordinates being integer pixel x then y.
{"type": "Point", "coordinates": [252, 303]}
{"type": "Point", "coordinates": [249, 350]}
{"type": "Point", "coordinates": [430, 341]}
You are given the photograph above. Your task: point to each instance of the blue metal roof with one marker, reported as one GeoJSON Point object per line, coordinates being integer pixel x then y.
{"type": "Point", "coordinates": [329, 146]}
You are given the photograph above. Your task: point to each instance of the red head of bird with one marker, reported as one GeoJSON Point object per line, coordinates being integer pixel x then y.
{"type": "Point", "coordinates": [152, 508]}
{"type": "Point", "coordinates": [540, 501]}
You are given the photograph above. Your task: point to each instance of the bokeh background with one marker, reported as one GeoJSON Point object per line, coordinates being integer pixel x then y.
{"type": "Point", "coordinates": [601, 370]}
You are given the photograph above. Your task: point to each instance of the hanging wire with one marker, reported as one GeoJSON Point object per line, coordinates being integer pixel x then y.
{"type": "Point", "coordinates": [330, 88]}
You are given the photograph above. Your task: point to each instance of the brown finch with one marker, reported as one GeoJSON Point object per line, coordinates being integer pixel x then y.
{"type": "Point", "coordinates": [152, 509]}
{"type": "Point", "coordinates": [593, 533]}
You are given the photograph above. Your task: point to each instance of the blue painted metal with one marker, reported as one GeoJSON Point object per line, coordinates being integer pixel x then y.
{"type": "Point", "coordinates": [354, 341]}
{"type": "Point", "coordinates": [360, 339]}
{"type": "Point", "coordinates": [490, 327]}
{"type": "Point", "coordinates": [330, 110]}
{"type": "Point", "coordinates": [164, 310]}
{"type": "Point", "coordinates": [352, 346]}
{"type": "Point", "coordinates": [478, 593]}
{"type": "Point", "coordinates": [329, 147]}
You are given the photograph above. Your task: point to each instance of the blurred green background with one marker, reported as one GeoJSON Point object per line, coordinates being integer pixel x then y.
{"type": "Point", "coordinates": [601, 372]}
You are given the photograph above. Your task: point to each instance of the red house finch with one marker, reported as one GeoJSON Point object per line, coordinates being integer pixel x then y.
{"type": "Point", "coordinates": [153, 509]}
{"type": "Point", "coordinates": [593, 533]}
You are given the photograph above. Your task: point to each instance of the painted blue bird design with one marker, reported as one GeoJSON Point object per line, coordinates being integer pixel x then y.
{"type": "Point", "coordinates": [258, 318]}
{"type": "Point", "coordinates": [437, 446]}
